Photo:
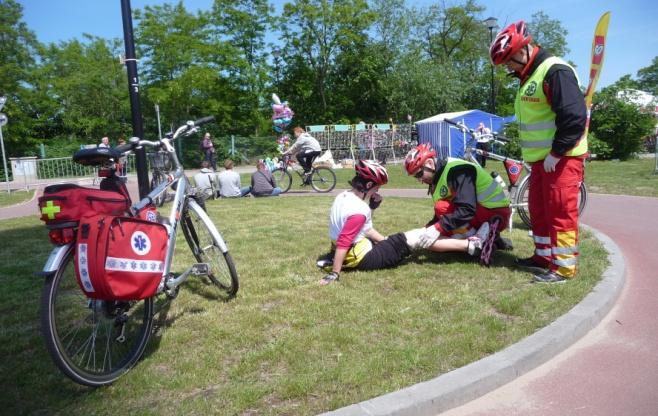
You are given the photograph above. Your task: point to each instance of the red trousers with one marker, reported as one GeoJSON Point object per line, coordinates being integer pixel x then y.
{"type": "Point", "coordinates": [482, 215]}
{"type": "Point", "coordinates": [553, 206]}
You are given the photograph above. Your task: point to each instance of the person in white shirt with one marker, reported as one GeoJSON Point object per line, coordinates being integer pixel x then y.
{"type": "Point", "coordinates": [229, 182]}
{"type": "Point", "coordinates": [306, 148]}
{"type": "Point", "coordinates": [356, 244]}
{"type": "Point", "coordinates": [204, 179]}
{"type": "Point", "coordinates": [105, 142]}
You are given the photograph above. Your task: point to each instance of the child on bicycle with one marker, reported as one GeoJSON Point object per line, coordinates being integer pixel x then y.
{"type": "Point", "coordinates": [306, 148]}
{"type": "Point", "coordinates": [465, 196]}
{"type": "Point", "coordinates": [355, 242]}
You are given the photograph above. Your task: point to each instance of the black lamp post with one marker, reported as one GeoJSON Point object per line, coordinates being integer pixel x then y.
{"type": "Point", "coordinates": [492, 24]}
{"type": "Point", "coordinates": [276, 53]}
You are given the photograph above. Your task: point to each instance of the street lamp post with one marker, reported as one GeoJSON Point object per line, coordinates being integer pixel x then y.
{"type": "Point", "coordinates": [276, 53]}
{"type": "Point", "coordinates": [492, 24]}
{"type": "Point", "coordinates": [3, 122]}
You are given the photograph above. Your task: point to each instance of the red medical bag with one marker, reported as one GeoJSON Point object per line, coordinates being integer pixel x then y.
{"type": "Point", "coordinates": [119, 258]}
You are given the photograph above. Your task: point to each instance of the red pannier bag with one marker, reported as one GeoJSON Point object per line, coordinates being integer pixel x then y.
{"type": "Point", "coordinates": [63, 205]}
{"type": "Point", "coordinates": [119, 258]}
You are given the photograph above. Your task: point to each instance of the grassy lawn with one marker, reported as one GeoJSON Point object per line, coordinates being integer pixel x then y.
{"type": "Point", "coordinates": [285, 345]}
{"type": "Point", "coordinates": [632, 177]}
{"type": "Point", "coordinates": [15, 197]}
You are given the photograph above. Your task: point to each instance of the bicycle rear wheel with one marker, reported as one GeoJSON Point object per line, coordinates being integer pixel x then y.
{"type": "Point", "coordinates": [208, 246]}
{"type": "Point", "coordinates": [92, 342]}
{"type": "Point", "coordinates": [323, 179]}
{"type": "Point", "coordinates": [157, 179]}
{"type": "Point", "coordinates": [282, 178]}
{"type": "Point", "coordinates": [521, 200]}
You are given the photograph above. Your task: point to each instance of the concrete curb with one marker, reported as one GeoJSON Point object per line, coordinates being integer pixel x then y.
{"type": "Point", "coordinates": [476, 379]}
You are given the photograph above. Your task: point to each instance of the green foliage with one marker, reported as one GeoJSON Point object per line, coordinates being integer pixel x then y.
{"type": "Point", "coordinates": [648, 78]}
{"type": "Point", "coordinates": [597, 147]}
{"type": "Point", "coordinates": [621, 125]}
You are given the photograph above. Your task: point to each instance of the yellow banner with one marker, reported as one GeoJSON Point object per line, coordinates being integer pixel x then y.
{"type": "Point", "coordinates": [598, 52]}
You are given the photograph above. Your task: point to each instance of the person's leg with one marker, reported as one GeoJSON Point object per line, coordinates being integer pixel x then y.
{"type": "Point", "coordinates": [386, 253]}
{"type": "Point", "coordinates": [245, 190]}
{"type": "Point", "coordinates": [537, 207]}
{"type": "Point", "coordinates": [562, 202]}
{"type": "Point", "coordinates": [276, 191]}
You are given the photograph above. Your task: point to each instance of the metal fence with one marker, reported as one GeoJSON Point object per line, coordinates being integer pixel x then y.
{"type": "Point", "coordinates": [380, 141]}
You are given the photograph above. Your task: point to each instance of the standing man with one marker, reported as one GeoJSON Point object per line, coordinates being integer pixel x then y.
{"type": "Point", "coordinates": [307, 148]}
{"type": "Point", "coordinates": [483, 137]}
{"type": "Point", "coordinates": [208, 149]}
{"type": "Point", "coordinates": [550, 108]}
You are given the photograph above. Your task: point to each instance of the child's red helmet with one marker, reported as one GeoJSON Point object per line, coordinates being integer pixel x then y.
{"type": "Point", "coordinates": [508, 42]}
{"type": "Point", "coordinates": [372, 171]}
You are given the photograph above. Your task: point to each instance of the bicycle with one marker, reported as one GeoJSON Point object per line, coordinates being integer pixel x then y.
{"type": "Point", "coordinates": [519, 181]}
{"type": "Point", "coordinates": [322, 179]}
{"type": "Point", "coordinates": [160, 167]}
{"type": "Point", "coordinates": [94, 342]}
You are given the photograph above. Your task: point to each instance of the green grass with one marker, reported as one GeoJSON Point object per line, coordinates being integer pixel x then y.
{"type": "Point", "coordinates": [15, 197]}
{"type": "Point", "coordinates": [285, 345]}
{"type": "Point", "coordinates": [631, 177]}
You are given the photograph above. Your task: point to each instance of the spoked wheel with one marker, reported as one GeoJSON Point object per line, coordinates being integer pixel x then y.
{"type": "Point", "coordinates": [91, 341]}
{"type": "Point", "coordinates": [157, 179]}
{"type": "Point", "coordinates": [282, 178]}
{"type": "Point", "coordinates": [323, 179]}
{"type": "Point", "coordinates": [521, 201]}
{"type": "Point", "coordinates": [208, 246]}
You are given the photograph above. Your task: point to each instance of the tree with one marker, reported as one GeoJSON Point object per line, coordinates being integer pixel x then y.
{"type": "Point", "coordinates": [648, 78]}
{"type": "Point", "coordinates": [314, 32]}
{"type": "Point", "coordinates": [549, 33]}
{"type": "Point", "coordinates": [621, 125]}
{"type": "Point", "coordinates": [18, 50]}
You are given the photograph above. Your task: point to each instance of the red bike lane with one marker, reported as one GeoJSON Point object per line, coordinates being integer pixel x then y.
{"type": "Point", "coordinates": [613, 370]}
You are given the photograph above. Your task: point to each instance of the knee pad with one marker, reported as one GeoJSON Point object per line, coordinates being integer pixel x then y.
{"type": "Point", "coordinates": [413, 237]}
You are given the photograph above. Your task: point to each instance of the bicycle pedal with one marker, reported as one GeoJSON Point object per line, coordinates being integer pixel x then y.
{"type": "Point", "coordinates": [200, 269]}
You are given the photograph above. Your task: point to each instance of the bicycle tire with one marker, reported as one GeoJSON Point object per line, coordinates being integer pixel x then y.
{"type": "Point", "coordinates": [521, 200]}
{"type": "Point", "coordinates": [282, 179]}
{"type": "Point", "coordinates": [208, 246]}
{"type": "Point", "coordinates": [157, 179]}
{"type": "Point", "coordinates": [323, 179]}
{"type": "Point", "coordinates": [76, 345]}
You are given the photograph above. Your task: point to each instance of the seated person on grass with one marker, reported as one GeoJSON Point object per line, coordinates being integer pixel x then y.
{"type": "Point", "coordinates": [229, 182]}
{"type": "Point", "coordinates": [356, 244]}
{"type": "Point", "coordinates": [204, 179]}
{"type": "Point", "coordinates": [262, 181]}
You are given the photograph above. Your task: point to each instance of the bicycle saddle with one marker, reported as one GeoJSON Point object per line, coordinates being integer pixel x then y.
{"type": "Point", "coordinates": [96, 156]}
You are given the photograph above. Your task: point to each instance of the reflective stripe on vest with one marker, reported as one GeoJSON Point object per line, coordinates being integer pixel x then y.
{"type": "Point", "coordinates": [489, 193]}
{"type": "Point", "coordinates": [537, 119]}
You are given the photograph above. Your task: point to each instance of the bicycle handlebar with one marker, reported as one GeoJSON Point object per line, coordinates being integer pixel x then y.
{"type": "Point", "coordinates": [189, 127]}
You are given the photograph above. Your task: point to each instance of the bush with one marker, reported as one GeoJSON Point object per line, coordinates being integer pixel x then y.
{"type": "Point", "coordinates": [599, 148]}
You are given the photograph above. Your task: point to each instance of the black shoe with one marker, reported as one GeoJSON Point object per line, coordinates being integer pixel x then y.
{"type": "Point", "coordinates": [549, 277]}
{"type": "Point", "coordinates": [503, 243]}
{"type": "Point", "coordinates": [529, 264]}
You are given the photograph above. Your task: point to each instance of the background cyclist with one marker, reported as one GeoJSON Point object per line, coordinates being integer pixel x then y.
{"type": "Point", "coordinates": [306, 148]}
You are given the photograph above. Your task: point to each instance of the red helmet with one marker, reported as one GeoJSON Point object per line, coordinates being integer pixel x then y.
{"type": "Point", "coordinates": [416, 158]}
{"type": "Point", "coordinates": [508, 42]}
{"type": "Point", "coordinates": [371, 171]}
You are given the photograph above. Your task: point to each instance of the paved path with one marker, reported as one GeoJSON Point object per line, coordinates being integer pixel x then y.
{"type": "Point", "coordinates": [613, 370]}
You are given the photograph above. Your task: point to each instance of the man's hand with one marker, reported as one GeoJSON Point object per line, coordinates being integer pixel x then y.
{"type": "Point", "coordinates": [428, 237]}
{"type": "Point", "coordinates": [550, 162]}
{"type": "Point", "coordinates": [329, 278]}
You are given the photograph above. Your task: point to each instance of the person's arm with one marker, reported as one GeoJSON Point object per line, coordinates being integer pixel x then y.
{"type": "Point", "coordinates": [568, 103]}
{"type": "Point", "coordinates": [374, 235]}
{"type": "Point", "coordinates": [462, 182]}
{"type": "Point", "coordinates": [347, 235]}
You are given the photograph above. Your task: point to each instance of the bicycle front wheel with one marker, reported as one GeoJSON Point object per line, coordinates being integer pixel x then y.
{"type": "Point", "coordinates": [93, 342]}
{"type": "Point", "coordinates": [157, 179]}
{"type": "Point", "coordinates": [209, 247]}
{"type": "Point", "coordinates": [282, 178]}
{"type": "Point", "coordinates": [323, 179]}
{"type": "Point", "coordinates": [521, 200]}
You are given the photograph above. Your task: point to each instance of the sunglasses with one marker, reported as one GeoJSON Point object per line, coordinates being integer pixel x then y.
{"type": "Point", "coordinates": [420, 173]}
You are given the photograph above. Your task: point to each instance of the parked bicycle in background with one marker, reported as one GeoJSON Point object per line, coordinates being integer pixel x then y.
{"type": "Point", "coordinates": [111, 259]}
{"type": "Point", "coordinates": [518, 171]}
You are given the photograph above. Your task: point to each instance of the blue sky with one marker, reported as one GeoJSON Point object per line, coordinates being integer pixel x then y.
{"type": "Point", "coordinates": [632, 36]}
